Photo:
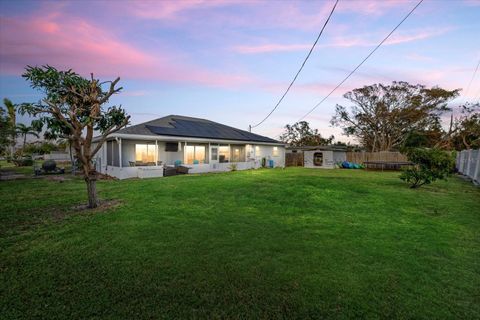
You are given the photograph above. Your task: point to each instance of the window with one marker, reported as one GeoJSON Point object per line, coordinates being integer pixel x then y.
{"type": "Point", "coordinates": [171, 147]}
{"type": "Point", "coordinates": [238, 153]}
{"type": "Point", "coordinates": [145, 153]}
{"type": "Point", "coordinates": [275, 151]}
{"type": "Point", "coordinates": [194, 154]}
{"type": "Point", "coordinates": [224, 154]}
{"type": "Point", "coordinates": [318, 159]}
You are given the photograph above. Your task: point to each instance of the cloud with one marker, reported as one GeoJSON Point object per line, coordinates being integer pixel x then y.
{"type": "Point", "coordinates": [273, 47]}
{"type": "Point", "coordinates": [70, 42]}
{"type": "Point", "coordinates": [344, 42]}
{"type": "Point", "coordinates": [372, 7]}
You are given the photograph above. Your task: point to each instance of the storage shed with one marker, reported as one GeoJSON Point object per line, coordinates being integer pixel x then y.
{"type": "Point", "coordinates": [321, 157]}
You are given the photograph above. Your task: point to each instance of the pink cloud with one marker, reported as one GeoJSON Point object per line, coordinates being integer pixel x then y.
{"type": "Point", "coordinates": [343, 42]}
{"type": "Point", "coordinates": [273, 47]}
{"type": "Point", "coordinates": [70, 42]}
{"type": "Point", "coordinates": [373, 7]}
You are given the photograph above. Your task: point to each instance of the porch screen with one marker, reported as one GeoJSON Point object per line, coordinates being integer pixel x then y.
{"type": "Point", "coordinates": [224, 154]}
{"type": "Point", "coordinates": [145, 152]}
{"type": "Point", "coordinates": [238, 153]}
{"type": "Point", "coordinates": [194, 154]}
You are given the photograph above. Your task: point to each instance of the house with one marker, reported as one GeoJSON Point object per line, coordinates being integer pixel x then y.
{"type": "Point", "coordinates": [322, 157]}
{"type": "Point", "coordinates": [145, 149]}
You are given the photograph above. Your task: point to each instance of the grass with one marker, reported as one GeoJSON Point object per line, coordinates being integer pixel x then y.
{"type": "Point", "coordinates": [294, 243]}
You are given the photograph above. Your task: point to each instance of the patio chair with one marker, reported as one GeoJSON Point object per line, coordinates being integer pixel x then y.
{"type": "Point", "coordinates": [169, 171]}
{"type": "Point", "coordinates": [182, 170]}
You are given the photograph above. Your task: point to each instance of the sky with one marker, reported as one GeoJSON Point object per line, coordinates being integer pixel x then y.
{"type": "Point", "coordinates": [230, 60]}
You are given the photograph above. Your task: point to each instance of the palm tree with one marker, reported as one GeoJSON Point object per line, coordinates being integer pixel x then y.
{"type": "Point", "coordinates": [24, 131]}
{"type": "Point", "coordinates": [12, 115]}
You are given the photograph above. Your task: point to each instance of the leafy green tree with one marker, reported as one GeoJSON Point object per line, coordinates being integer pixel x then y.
{"type": "Point", "coordinates": [382, 116]}
{"type": "Point", "coordinates": [466, 132]}
{"type": "Point", "coordinates": [429, 165]}
{"type": "Point", "coordinates": [25, 131]}
{"type": "Point", "coordinates": [74, 108]}
{"type": "Point", "coordinates": [12, 122]}
{"type": "Point", "coordinates": [5, 131]}
{"type": "Point", "coordinates": [300, 134]}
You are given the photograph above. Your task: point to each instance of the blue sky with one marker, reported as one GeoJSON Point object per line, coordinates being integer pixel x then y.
{"type": "Point", "coordinates": [230, 61]}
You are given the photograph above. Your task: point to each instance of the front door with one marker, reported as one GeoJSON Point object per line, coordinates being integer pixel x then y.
{"type": "Point", "coordinates": [214, 154]}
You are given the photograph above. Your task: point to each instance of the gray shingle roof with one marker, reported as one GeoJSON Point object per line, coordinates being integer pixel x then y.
{"type": "Point", "coordinates": [181, 126]}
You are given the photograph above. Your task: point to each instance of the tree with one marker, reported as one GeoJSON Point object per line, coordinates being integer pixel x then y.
{"type": "Point", "coordinates": [24, 131]}
{"type": "Point", "coordinates": [466, 132]}
{"type": "Point", "coordinates": [300, 134]}
{"type": "Point", "coordinates": [383, 116]}
{"type": "Point", "coordinates": [12, 119]}
{"type": "Point", "coordinates": [73, 108]}
{"type": "Point", "coordinates": [5, 131]}
{"type": "Point", "coordinates": [429, 165]}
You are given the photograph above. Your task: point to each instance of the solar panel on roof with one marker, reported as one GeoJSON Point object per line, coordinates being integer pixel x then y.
{"type": "Point", "coordinates": [203, 129]}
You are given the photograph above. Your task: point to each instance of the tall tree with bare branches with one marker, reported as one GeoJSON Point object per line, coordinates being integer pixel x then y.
{"type": "Point", "coordinates": [382, 116]}
{"type": "Point", "coordinates": [73, 107]}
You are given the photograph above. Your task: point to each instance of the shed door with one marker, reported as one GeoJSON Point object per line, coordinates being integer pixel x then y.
{"type": "Point", "coordinates": [318, 159]}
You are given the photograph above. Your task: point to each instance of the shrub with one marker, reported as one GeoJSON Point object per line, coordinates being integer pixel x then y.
{"type": "Point", "coordinates": [41, 148]}
{"type": "Point", "coordinates": [233, 167]}
{"type": "Point", "coordinates": [429, 165]}
{"type": "Point", "coordinates": [23, 161]}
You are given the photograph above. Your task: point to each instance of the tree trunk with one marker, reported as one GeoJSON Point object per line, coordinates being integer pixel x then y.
{"type": "Point", "coordinates": [91, 181]}
{"type": "Point", "coordinates": [72, 160]}
{"type": "Point", "coordinates": [24, 141]}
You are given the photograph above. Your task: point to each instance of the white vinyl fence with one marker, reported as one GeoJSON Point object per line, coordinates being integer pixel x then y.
{"type": "Point", "coordinates": [468, 163]}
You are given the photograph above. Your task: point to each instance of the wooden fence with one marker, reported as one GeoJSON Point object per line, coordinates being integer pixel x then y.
{"type": "Point", "coordinates": [385, 156]}
{"type": "Point", "coordinates": [294, 159]}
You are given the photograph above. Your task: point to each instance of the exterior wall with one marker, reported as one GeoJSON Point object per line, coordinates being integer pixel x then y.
{"type": "Point", "coordinates": [253, 157]}
{"type": "Point", "coordinates": [266, 151]}
{"type": "Point", "coordinates": [339, 156]}
{"type": "Point", "coordinates": [328, 159]}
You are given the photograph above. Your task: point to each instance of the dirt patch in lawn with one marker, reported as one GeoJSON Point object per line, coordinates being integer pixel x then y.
{"type": "Point", "coordinates": [26, 220]}
{"type": "Point", "coordinates": [102, 206]}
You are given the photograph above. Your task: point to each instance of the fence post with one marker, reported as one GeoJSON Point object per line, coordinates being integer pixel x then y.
{"type": "Point", "coordinates": [462, 162]}
{"type": "Point", "coordinates": [469, 158]}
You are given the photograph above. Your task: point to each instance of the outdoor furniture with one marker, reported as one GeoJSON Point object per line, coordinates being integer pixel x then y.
{"type": "Point", "coordinates": [182, 170]}
{"type": "Point", "coordinates": [131, 163]}
{"type": "Point", "coordinates": [169, 171]}
{"type": "Point", "coordinates": [48, 167]}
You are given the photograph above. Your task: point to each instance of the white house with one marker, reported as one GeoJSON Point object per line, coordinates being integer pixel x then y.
{"type": "Point", "coordinates": [146, 149]}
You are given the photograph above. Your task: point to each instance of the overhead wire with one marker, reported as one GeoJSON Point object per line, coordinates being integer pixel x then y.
{"type": "Point", "coordinates": [299, 70]}
{"type": "Point", "coordinates": [362, 62]}
{"type": "Point", "coordinates": [473, 77]}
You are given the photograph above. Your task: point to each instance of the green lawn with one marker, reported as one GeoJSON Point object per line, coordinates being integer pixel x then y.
{"type": "Point", "coordinates": [294, 243]}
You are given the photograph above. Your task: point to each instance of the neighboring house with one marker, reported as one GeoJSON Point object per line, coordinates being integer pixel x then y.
{"type": "Point", "coordinates": [323, 157]}
{"type": "Point", "coordinates": [144, 150]}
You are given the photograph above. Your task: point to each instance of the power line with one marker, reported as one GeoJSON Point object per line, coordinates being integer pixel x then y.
{"type": "Point", "coordinates": [361, 63]}
{"type": "Point", "coordinates": [473, 77]}
{"type": "Point", "coordinates": [299, 70]}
